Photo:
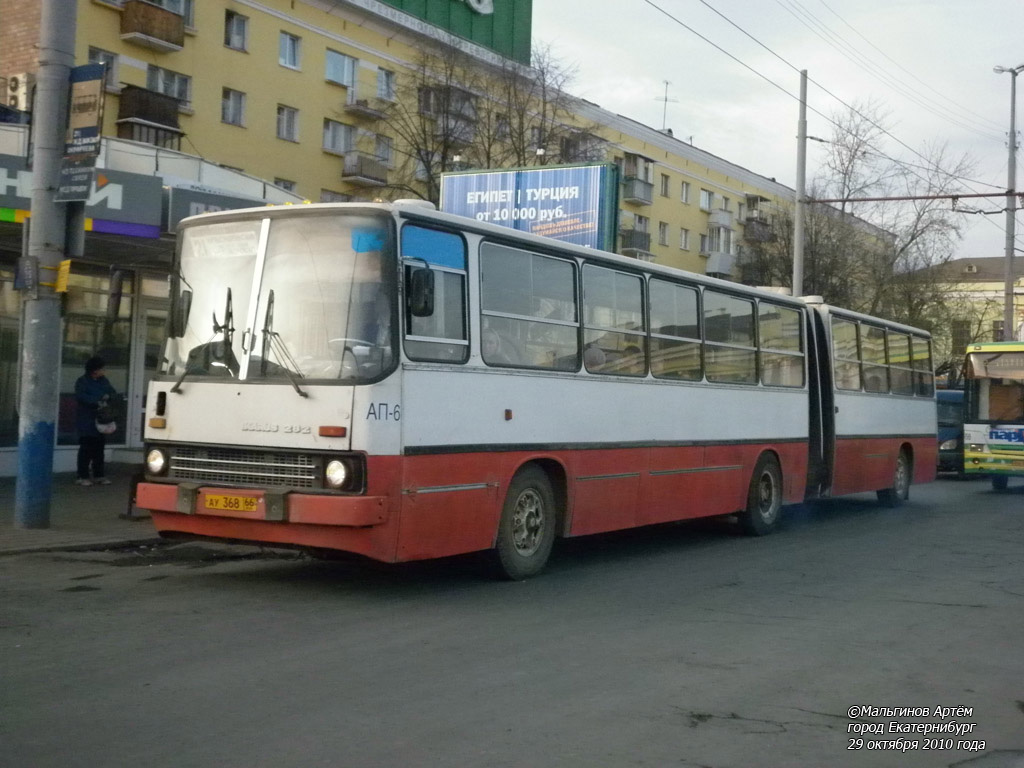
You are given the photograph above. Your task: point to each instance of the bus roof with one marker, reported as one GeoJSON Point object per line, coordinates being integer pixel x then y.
{"type": "Point", "coordinates": [422, 210]}
{"type": "Point", "coordinates": [996, 346]}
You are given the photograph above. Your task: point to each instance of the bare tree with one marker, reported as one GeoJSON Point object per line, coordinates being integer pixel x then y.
{"type": "Point", "coordinates": [453, 113]}
{"type": "Point", "coordinates": [433, 119]}
{"type": "Point", "coordinates": [875, 257]}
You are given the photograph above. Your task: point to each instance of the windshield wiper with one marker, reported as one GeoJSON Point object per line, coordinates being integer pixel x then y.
{"type": "Point", "coordinates": [228, 330]}
{"type": "Point", "coordinates": [272, 342]}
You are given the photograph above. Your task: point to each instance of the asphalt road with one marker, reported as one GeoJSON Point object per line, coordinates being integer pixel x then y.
{"type": "Point", "coordinates": [684, 645]}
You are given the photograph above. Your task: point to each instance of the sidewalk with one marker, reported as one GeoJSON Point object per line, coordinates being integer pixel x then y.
{"type": "Point", "coordinates": [80, 518]}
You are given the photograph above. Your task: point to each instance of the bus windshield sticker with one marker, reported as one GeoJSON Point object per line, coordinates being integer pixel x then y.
{"type": "Point", "coordinates": [368, 240]}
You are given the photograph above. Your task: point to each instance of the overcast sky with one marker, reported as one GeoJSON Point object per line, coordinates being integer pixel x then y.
{"type": "Point", "coordinates": [928, 62]}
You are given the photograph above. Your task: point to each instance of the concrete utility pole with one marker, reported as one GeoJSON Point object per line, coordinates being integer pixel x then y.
{"type": "Point", "coordinates": [1009, 326]}
{"type": "Point", "coordinates": [801, 182]}
{"type": "Point", "coordinates": [41, 337]}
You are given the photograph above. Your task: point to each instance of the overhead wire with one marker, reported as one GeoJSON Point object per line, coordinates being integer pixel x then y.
{"type": "Point", "coordinates": [846, 49]}
{"type": "Point", "coordinates": [952, 103]}
{"type": "Point", "coordinates": [931, 165]}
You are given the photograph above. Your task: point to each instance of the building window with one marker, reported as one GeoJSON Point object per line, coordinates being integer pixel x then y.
{"type": "Point", "coordinates": [109, 61]}
{"type": "Point", "coordinates": [703, 243]}
{"type": "Point", "coordinates": [425, 101]}
{"type": "Point", "coordinates": [961, 334]}
{"type": "Point", "coordinates": [236, 30]}
{"type": "Point", "coordinates": [664, 184]}
{"type": "Point", "coordinates": [502, 130]}
{"type": "Point", "coordinates": [168, 138]}
{"type": "Point", "coordinates": [719, 240]}
{"type": "Point", "coordinates": [341, 69]}
{"type": "Point", "coordinates": [997, 330]}
{"type": "Point", "coordinates": [285, 184]}
{"type": "Point", "coordinates": [184, 8]}
{"type": "Point", "coordinates": [232, 107]}
{"type": "Point", "coordinates": [642, 223]}
{"type": "Point", "coordinates": [725, 203]}
{"type": "Point", "coordinates": [662, 233]}
{"type": "Point", "coordinates": [330, 196]}
{"type": "Point", "coordinates": [383, 149]}
{"type": "Point", "coordinates": [684, 193]}
{"type": "Point", "coordinates": [386, 84]}
{"type": "Point", "coordinates": [288, 51]}
{"type": "Point", "coordinates": [684, 239]}
{"type": "Point", "coordinates": [170, 84]}
{"type": "Point", "coordinates": [337, 136]}
{"type": "Point", "coordinates": [287, 123]}
{"type": "Point", "coordinates": [707, 199]}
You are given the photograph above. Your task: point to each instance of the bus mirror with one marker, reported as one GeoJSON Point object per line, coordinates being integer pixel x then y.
{"type": "Point", "coordinates": [179, 316]}
{"type": "Point", "coordinates": [421, 292]}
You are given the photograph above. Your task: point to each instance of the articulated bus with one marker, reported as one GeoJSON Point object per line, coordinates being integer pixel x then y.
{"type": "Point", "coordinates": [994, 418]}
{"type": "Point", "coordinates": [403, 384]}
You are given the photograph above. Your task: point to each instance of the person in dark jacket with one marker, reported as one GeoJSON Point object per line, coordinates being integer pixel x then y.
{"type": "Point", "coordinates": [92, 391]}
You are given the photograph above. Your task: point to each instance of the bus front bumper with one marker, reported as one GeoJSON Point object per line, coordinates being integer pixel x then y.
{"type": "Point", "coordinates": [261, 505]}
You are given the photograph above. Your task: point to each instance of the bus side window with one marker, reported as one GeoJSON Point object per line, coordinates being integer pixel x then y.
{"type": "Point", "coordinates": [440, 335]}
{"type": "Point", "coordinates": [845, 354]}
{"type": "Point", "coordinates": [529, 301]}
{"type": "Point", "coordinates": [872, 351]}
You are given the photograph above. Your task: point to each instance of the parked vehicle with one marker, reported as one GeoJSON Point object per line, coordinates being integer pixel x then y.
{"type": "Point", "coordinates": [951, 429]}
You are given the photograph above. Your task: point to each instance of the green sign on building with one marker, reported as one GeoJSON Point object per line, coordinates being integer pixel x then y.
{"type": "Point", "coordinates": [503, 26]}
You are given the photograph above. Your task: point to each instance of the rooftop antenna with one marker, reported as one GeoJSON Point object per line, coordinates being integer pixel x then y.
{"type": "Point", "coordinates": [666, 99]}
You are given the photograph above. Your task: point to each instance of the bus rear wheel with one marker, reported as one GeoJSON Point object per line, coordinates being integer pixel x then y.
{"type": "Point", "coordinates": [900, 490]}
{"type": "Point", "coordinates": [526, 531]}
{"type": "Point", "coordinates": [764, 498]}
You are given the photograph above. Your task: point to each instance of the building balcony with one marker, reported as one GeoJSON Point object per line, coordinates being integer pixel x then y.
{"type": "Point", "coordinates": [756, 229]}
{"type": "Point", "coordinates": [635, 190]}
{"type": "Point", "coordinates": [142, 105]}
{"type": "Point", "coordinates": [152, 27]}
{"type": "Point", "coordinates": [719, 264]}
{"type": "Point", "coordinates": [456, 131]}
{"type": "Point", "coordinates": [364, 169]}
{"type": "Point", "coordinates": [720, 218]}
{"type": "Point", "coordinates": [360, 103]}
{"type": "Point", "coordinates": [635, 240]}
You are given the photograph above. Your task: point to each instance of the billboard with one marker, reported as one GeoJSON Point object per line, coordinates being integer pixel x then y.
{"type": "Point", "coordinates": [576, 204]}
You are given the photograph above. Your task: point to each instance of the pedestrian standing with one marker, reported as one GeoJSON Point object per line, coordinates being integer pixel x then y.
{"type": "Point", "coordinates": [93, 392]}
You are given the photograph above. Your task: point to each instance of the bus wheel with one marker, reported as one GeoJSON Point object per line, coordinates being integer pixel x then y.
{"type": "Point", "coordinates": [526, 531]}
{"type": "Point", "coordinates": [1000, 482]}
{"type": "Point", "coordinates": [764, 499]}
{"type": "Point", "coordinates": [900, 490]}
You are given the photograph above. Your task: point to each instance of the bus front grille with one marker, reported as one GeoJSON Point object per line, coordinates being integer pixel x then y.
{"type": "Point", "coordinates": [244, 467]}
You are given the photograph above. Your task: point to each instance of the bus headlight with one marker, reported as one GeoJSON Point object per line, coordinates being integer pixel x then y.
{"type": "Point", "coordinates": [949, 445]}
{"type": "Point", "coordinates": [156, 461]}
{"type": "Point", "coordinates": [977, 448]}
{"type": "Point", "coordinates": [336, 473]}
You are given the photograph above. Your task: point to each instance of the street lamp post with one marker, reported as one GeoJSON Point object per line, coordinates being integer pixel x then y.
{"type": "Point", "coordinates": [1011, 203]}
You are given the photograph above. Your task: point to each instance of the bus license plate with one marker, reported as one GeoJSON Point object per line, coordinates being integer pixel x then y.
{"type": "Point", "coordinates": [231, 503]}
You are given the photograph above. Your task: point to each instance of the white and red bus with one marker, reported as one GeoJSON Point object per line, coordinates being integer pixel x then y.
{"type": "Point", "coordinates": [388, 380]}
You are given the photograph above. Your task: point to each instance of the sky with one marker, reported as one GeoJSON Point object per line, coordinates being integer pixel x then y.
{"type": "Point", "coordinates": [927, 63]}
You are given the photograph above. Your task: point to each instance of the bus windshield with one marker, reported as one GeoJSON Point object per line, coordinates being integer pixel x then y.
{"type": "Point", "coordinates": [995, 381]}
{"type": "Point", "coordinates": [299, 297]}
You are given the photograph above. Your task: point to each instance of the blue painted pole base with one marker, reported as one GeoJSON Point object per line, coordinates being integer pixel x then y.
{"type": "Point", "coordinates": [34, 484]}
